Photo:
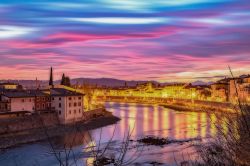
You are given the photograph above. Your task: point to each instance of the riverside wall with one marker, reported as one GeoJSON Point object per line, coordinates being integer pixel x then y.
{"type": "Point", "coordinates": [28, 122]}
{"type": "Point", "coordinates": [38, 121]}
{"type": "Point", "coordinates": [173, 103]}
{"type": "Point", "coordinates": [27, 129]}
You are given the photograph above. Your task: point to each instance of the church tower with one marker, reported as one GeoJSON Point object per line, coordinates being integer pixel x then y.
{"type": "Point", "coordinates": [51, 78]}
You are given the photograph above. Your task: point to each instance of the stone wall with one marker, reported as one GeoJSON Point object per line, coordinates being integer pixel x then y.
{"type": "Point", "coordinates": [29, 122]}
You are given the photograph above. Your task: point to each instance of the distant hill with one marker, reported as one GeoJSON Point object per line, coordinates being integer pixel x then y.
{"type": "Point", "coordinates": [201, 83]}
{"type": "Point", "coordinates": [110, 82]}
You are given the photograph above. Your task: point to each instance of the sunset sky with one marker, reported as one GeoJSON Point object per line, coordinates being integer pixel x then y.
{"type": "Point", "coordinates": [164, 40]}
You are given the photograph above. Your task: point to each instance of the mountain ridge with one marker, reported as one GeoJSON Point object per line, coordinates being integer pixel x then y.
{"type": "Point", "coordinates": [109, 82]}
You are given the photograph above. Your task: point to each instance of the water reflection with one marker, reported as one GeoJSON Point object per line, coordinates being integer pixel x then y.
{"type": "Point", "coordinates": [163, 122]}
{"type": "Point", "coordinates": [143, 120]}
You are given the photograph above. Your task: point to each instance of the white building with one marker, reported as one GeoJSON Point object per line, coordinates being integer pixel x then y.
{"type": "Point", "coordinates": [68, 104]}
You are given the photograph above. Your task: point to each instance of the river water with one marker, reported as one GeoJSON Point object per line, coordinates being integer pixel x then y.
{"type": "Point", "coordinates": [137, 119]}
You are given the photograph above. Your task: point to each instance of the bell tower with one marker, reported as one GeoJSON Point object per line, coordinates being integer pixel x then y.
{"type": "Point", "coordinates": [51, 78]}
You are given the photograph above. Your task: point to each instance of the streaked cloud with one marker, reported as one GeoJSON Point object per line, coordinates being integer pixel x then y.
{"type": "Point", "coordinates": [119, 20]}
{"type": "Point", "coordinates": [7, 31]}
{"type": "Point", "coordinates": [163, 40]}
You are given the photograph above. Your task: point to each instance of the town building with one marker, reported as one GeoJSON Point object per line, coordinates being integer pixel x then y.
{"type": "Point", "coordinates": [68, 104]}
{"type": "Point", "coordinates": [240, 89]}
{"type": "Point", "coordinates": [8, 85]}
{"type": "Point", "coordinates": [219, 92]}
{"type": "Point", "coordinates": [19, 101]}
{"type": "Point", "coordinates": [42, 100]}
{"type": "Point", "coordinates": [4, 106]}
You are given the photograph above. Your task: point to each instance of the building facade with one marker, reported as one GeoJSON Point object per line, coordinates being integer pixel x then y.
{"type": "Point", "coordinates": [19, 101]}
{"type": "Point", "coordinates": [240, 89]}
{"type": "Point", "coordinates": [9, 86]}
{"type": "Point", "coordinates": [68, 104]}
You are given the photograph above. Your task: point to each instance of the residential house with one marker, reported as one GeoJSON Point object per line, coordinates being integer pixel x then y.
{"type": "Point", "coordinates": [68, 104]}
{"type": "Point", "coordinates": [8, 85]}
{"type": "Point", "coordinates": [240, 89]}
{"type": "Point", "coordinates": [19, 100]}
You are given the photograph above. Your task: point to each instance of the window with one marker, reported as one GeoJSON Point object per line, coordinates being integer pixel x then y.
{"type": "Point", "coordinates": [43, 106]}
{"type": "Point", "coordinates": [75, 104]}
{"type": "Point", "coordinates": [53, 98]}
{"type": "Point", "coordinates": [60, 105]}
{"type": "Point", "coordinates": [69, 104]}
{"type": "Point", "coordinates": [79, 98]}
{"type": "Point", "coordinates": [69, 111]}
{"type": "Point", "coordinates": [79, 104]}
{"type": "Point", "coordinates": [30, 100]}
{"type": "Point", "coordinates": [59, 98]}
{"type": "Point", "coordinates": [79, 110]}
{"type": "Point", "coordinates": [69, 98]}
{"type": "Point", "coordinates": [23, 100]}
{"type": "Point", "coordinates": [43, 98]}
{"type": "Point", "coordinates": [59, 112]}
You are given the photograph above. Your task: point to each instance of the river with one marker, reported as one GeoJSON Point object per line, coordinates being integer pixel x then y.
{"type": "Point", "coordinates": [138, 119]}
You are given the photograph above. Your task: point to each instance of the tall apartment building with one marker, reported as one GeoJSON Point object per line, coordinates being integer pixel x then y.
{"type": "Point", "coordinates": [68, 104]}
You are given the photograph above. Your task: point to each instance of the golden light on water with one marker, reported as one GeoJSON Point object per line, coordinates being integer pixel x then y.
{"type": "Point", "coordinates": [165, 123]}
{"type": "Point", "coordinates": [156, 120]}
{"type": "Point", "coordinates": [203, 123]}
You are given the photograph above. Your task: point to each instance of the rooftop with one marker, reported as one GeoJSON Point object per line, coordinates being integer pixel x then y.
{"type": "Point", "coordinates": [64, 92]}
{"type": "Point", "coordinates": [23, 93]}
{"type": "Point", "coordinates": [8, 83]}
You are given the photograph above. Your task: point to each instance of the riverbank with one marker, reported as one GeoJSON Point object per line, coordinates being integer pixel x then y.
{"type": "Point", "coordinates": [179, 104]}
{"type": "Point", "coordinates": [197, 108]}
{"type": "Point", "coordinates": [92, 121]}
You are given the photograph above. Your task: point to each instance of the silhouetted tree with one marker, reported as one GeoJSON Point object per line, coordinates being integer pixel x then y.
{"type": "Point", "coordinates": [65, 80]}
